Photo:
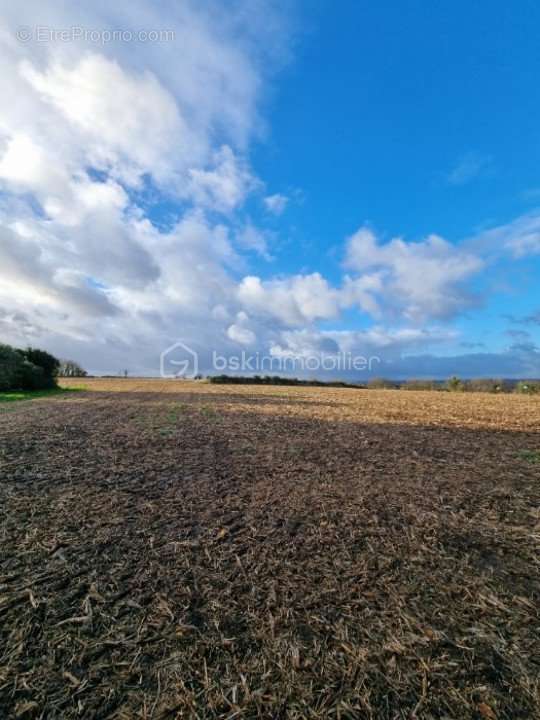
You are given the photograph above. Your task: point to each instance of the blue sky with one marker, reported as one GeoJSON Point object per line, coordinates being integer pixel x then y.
{"type": "Point", "coordinates": [386, 102]}
{"type": "Point", "coordinates": [274, 178]}
{"type": "Point", "coordinates": [414, 119]}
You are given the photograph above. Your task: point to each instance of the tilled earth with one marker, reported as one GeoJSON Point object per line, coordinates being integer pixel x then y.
{"type": "Point", "coordinates": [185, 551]}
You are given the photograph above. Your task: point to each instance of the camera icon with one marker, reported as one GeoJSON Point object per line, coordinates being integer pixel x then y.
{"type": "Point", "coordinates": [179, 361]}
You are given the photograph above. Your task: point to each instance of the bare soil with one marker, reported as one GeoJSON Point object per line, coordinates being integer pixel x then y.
{"type": "Point", "coordinates": [174, 549]}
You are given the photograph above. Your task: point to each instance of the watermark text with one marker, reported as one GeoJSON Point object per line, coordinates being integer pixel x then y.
{"type": "Point", "coordinates": [99, 36]}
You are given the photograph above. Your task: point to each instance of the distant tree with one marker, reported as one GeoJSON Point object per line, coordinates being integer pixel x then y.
{"type": "Point", "coordinates": [69, 368]}
{"type": "Point", "coordinates": [381, 384]}
{"type": "Point", "coordinates": [419, 385]}
{"type": "Point", "coordinates": [490, 385]}
{"type": "Point", "coordinates": [126, 373]}
{"type": "Point", "coordinates": [275, 380]}
{"type": "Point", "coordinates": [454, 384]}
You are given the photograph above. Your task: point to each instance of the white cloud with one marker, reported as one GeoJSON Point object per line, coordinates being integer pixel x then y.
{"type": "Point", "coordinates": [239, 332]}
{"type": "Point", "coordinates": [363, 292]}
{"type": "Point", "coordinates": [92, 130]}
{"type": "Point", "coordinates": [223, 187]}
{"type": "Point", "coordinates": [252, 238]}
{"type": "Point", "coordinates": [519, 238]}
{"type": "Point", "coordinates": [293, 301]}
{"type": "Point", "coordinates": [129, 123]}
{"type": "Point", "coordinates": [415, 280]}
{"type": "Point", "coordinates": [353, 354]}
{"type": "Point", "coordinates": [522, 237]}
{"type": "Point", "coordinates": [276, 204]}
{"type": "Point", "coordinates": [180, 112]}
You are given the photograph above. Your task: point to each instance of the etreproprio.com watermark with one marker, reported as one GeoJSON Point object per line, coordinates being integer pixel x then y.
{"type": "Point", "coordinates": [100, 36]}
{"type": "Point", "coordinates": [181, 361]}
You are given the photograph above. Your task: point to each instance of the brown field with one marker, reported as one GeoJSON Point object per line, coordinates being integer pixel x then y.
{"type": "Point", "coordinates": [176, 549]}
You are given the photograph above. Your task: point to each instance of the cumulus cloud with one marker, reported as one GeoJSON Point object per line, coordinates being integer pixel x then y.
{"type": "Point", "coordinates": [417, 280]}
{"type": "Point", "coordinates": [293, 301]}
{"type": "Point", "coordinates": [223, 187]}
{"type": "Point", "coordinates": [95, 125]}
{"type": "Point", "coordinates": [239, 331]}
{"type": "Point", "coordinates": [129, 123]}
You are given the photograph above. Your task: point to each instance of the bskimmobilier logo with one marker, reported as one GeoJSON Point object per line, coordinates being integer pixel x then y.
{"type": "Point", "coordinates": [179, 361]}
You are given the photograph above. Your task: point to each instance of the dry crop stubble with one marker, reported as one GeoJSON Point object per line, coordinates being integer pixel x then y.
{"type": "Point", "coordinates": [177, 549]}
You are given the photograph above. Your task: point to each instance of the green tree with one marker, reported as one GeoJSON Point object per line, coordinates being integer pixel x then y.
{"type": "Point", "coordinates": [29, 369]}
{"type": "Point", "coordinates": [44, 360]}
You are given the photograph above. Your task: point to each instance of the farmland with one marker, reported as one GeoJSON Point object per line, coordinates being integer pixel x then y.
{"type": "Point", "coordinates": [175, 549]}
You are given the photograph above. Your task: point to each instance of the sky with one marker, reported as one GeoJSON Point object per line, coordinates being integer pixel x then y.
{"type": "Point", "coordinates": [189, 185]}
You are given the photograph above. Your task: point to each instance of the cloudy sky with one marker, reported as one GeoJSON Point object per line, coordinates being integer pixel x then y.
{"type": "Point", "coordinates": [282, 178]}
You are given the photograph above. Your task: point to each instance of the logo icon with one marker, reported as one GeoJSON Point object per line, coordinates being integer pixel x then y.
{"type": "Point", "coordinates": [178, 361]}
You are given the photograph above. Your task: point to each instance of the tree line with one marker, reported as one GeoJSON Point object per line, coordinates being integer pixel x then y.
{"type": "Point", "coordinates": [33, 369]}
{"type": "Point", "coordinates": [453, 384]}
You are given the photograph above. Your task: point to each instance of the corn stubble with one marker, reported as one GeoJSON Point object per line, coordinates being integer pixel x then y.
{"type": "Point", "coordinates": [182, 550]}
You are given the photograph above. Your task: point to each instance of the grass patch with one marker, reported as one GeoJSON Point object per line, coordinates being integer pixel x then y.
{"type": "Point", "coordinates": [530, 456]}
{"type": "Point", "coordinates": [15, 395]}
{"type": "Point", "coordinates": [208, 410]}
{"type": "Point", "coordinates": [173, 416]}
{"type": "Point", "coordinates": [176, 412]}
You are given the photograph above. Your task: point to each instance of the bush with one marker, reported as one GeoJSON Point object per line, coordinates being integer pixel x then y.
{"type": "Point", "coordinates": [454, 384]}
{"type": "Point", "coordinates": [33, 377]}
{"type": "Point", "coordinates": [527, 387]}
{"type": "Point", "coordinates": [44, 360]}
{"type": "Point", "coordinates": [10, 367]}
{"type": "Point", "coordinates": [29, 369]}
